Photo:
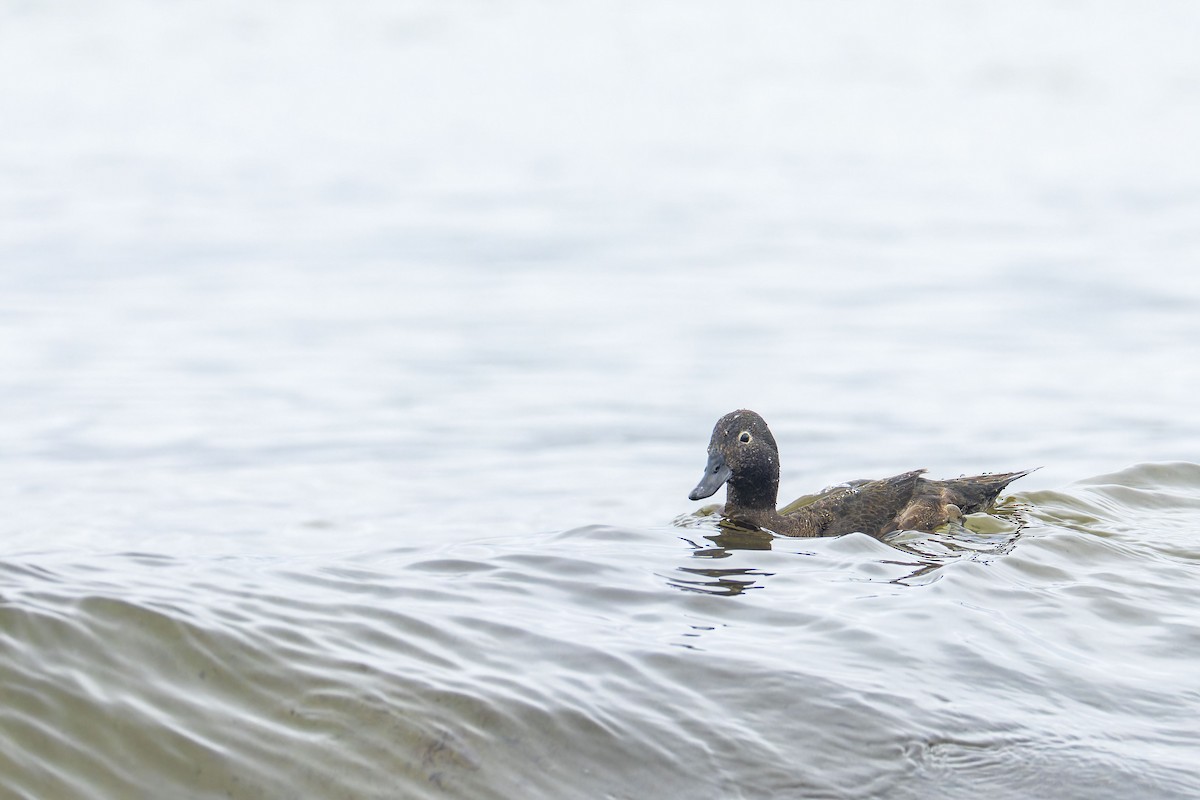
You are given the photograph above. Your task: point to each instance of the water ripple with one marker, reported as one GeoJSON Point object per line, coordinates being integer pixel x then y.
{"type": "Point", "coordinates": [503, 667]}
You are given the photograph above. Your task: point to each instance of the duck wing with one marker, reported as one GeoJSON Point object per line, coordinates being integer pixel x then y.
{"type": "Point", "coordinates": [829, 491]}
{"type": "Point", "coordinates": [867, 506]}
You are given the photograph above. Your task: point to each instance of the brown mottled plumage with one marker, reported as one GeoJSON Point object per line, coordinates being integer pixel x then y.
{"type": "Point", "coordinates": [743, 455]}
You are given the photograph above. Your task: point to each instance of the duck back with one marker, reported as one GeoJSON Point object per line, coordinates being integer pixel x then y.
{"type": "Point", "coordinates": [866, 506]}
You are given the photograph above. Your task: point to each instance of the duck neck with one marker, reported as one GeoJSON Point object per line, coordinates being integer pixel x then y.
{"type": "Point", "coordinates": [755, 489]}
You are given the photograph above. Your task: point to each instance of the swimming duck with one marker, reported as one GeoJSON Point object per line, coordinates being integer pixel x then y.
{"type": "Point", "coordinates": [742, 453]}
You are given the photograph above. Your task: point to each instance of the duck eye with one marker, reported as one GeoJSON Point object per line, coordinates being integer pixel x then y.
{"type": "Point", "coordinates": [745, 437]}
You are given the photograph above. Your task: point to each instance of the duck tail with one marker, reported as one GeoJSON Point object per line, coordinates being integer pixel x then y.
{"type": "Point", "coordinates": [978, 492]}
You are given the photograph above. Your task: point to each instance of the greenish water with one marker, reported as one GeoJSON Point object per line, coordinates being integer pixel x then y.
{"type": "Point", "coordinates": [355, 369]}
{"type": "Point", "coordinates": [607, 661]}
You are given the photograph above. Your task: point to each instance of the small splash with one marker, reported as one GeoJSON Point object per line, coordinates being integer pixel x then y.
{"type": "Point", "coordinates": [978, 537]}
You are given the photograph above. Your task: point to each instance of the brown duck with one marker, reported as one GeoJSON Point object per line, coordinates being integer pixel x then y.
{"type": "Point", "coordinates": [743, 454]}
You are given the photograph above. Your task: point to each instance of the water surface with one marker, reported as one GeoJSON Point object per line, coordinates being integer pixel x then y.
{"type": "Point", "coordinates": [355, 368]}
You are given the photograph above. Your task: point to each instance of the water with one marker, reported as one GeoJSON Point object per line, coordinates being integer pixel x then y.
{"type": "Point", "coordinates": [355, 367]}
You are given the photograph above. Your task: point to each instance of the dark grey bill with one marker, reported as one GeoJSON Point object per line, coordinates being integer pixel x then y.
{"type": "Point", "coordinates": [715, 475]}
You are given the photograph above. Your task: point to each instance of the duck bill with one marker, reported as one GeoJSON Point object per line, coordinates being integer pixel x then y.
{"type": "Point", "coordinates": [715, 475]}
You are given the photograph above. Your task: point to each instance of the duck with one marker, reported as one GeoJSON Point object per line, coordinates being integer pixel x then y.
{"type": "Point", "coordinates": [743, 456]}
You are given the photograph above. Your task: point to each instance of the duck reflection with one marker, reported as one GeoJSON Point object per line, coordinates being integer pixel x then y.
{"type": "Point", "coordinates": [724, 582]}
{"type": "Point", "coordinates": [721, 544]}
{"type": "Point", "coordinates": [729, 538]}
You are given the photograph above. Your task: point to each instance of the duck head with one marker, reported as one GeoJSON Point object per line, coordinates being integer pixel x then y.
{"type": "Point", "coordinates": [742, 453]}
